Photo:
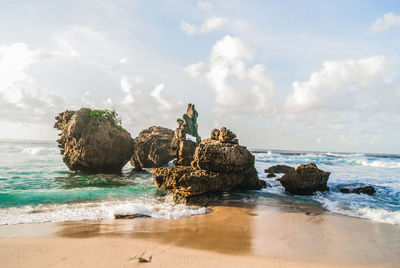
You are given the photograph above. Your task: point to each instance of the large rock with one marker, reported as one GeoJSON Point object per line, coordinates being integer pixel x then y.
{"type": "Point", "coordinates": [222, 157]}
{"type": "Point", "coordinates": [151, 148]}
{"type": "Point", "coordinates": [93, 141]}
{"type": "Point", "coordinates": [305, 180]}
{"type": "Point", "coordinates": [217, 167]}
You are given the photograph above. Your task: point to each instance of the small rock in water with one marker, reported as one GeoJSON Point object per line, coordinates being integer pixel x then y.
{"type": "Point", "coordinates": [305, 180]}
{"type": "Point", "coordinates": [130, 216]}
{"type": "Point", "coordinates": [279, 169]}
{"type": "Point", "coordinates": [369, 190]}
{"type": "Point", "coordinates": [271, 175]}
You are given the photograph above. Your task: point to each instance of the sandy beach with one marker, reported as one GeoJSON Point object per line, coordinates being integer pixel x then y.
{"type": "Point", "coordinates": [278, 234]}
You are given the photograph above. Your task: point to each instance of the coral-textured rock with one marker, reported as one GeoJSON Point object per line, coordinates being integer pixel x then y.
{"type": "Point", "coordinates": [151, 148]}
{"type": "Point", "coordinates": [369, 190]}
{"type": "Point", "coordinates": [217, 167]}
{"type": "Point", "coordinates": [305, 180]}
{"type": "Point", "coordinates": [222, 157]}
{"type": "Point", "coordinates": [93, 141]}
{"type": "Point", "coordinates": [227, 136]}
{"type": "Point", "coordinates": [279, 169]}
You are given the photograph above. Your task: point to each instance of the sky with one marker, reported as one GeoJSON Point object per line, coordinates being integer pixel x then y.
{"type": "Point", "coordinates": [298, 75]}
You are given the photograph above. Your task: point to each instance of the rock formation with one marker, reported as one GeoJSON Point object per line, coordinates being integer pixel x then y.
{"type": "Point", "coordinates": [217, 166]}
{"type": "Point", "coordinates": [305, 180]}
{"type": "Point", "coordinates": [369, 190]}
{"type": "Point", "coordinates": [93, 141]}
{"type": "Point", "coordinates": [279, 169]}
{"type": "Point", "coordinates": [151, 148]}
{"type": "Point", "coordinates": [182, 147]}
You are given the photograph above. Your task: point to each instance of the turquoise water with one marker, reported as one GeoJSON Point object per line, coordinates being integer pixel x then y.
{"type": "Point", "coordinates": [36, 186]}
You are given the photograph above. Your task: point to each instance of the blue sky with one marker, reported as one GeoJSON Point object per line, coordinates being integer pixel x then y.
{"type": "Point", "coordinates": [300, 75]}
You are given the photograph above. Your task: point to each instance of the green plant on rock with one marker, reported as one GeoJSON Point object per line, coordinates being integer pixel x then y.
{"type": "Point", "coordinates": [100, 116]}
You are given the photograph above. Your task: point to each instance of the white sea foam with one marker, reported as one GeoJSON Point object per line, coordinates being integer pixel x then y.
{"type": "Point", "coordinates": [355, 209]}
{"type": "Point", "coordinates": [94, 211]}
{"type": "Point", "coordinates": [378, 163]}
{"type": "Point", "coordinates": [28, 150]}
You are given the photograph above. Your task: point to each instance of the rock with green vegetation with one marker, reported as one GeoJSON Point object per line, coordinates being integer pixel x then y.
{"type": "Point", "coordinates": [93, 141]}
{"type": "Point", "coordinates": [151, 148]}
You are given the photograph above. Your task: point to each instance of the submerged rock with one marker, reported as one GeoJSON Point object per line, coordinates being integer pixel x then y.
{"type": "Point", "coordinates": [130, 216]}
{"type": "Point", "coordinates": [305, 180]}
{"type": "Point", "coordinates": [369, 190]}
{"type": "Point", "coordinates": [217, 167]}
{"type": "Point", "coordinates": [93, 141]}
{"type": "Point", "coordinates": [279, 169]}
{"type": "Point", "coordinates": [151, 148]}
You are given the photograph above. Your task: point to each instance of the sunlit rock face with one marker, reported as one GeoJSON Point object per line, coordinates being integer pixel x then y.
{"type": "Point", "coordinates": [93, 141]}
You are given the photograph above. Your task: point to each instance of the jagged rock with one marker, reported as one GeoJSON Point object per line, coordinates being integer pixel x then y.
{"type": "Point", "coordinates": [271, 175]}
{"type": "Point", "coordinates": [369, 190]}
{"type": "Point", "coordinates": [279, 169]}
{"type": "Point", "coordinates": [222, 157]}
{"type": "Point", "coordinates": [305, 180]}
{"type": "Point", "coordinates": [227, 136]}
{"type": "Point", "coordinates": [151, 148]}
{"type": "Point", "coordinates": [93, 141]}
{"type": "Point", "coordinates": [181, 147]}
{"type": "Point", "coordinates": [190, 122]}
{"type": "Point", "coordinates": [217, 167]}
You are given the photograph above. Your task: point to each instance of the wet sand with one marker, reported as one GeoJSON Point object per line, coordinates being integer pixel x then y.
{"type": "Point", "coordinates": [277, 233]}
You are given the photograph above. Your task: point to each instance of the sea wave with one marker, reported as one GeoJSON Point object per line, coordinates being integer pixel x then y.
{"type": "Point", "coordinates": [357, 208]}
{"type": "Point", "coordinates": [95, 211]}
{"type": "Point", "coordinates": [28, 150]}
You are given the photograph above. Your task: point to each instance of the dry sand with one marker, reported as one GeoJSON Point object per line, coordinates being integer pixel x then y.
{"type": "Point", "coordinates": [278, 234]}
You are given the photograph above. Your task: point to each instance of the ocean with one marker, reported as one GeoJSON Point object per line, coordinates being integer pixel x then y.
{"type": "Point", "coordinates": [36, 186]}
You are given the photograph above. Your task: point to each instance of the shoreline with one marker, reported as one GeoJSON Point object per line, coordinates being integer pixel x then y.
{"type": "Point", "coordinates": [280, 234]}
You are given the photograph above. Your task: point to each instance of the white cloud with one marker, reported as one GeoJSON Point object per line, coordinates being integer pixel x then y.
{"type": "Point", "coordinates": [337, 85]}
{"type": "Point", "coordinates": [389, 20]}
{"type": "Point", "coordinates": [238, 89]}
{"type": "Point", "coordinates": [156, 93]}
{"type": "Point", "coordinates": [211, 24]}
{"type": "Point", "coordinates": [204, 5]}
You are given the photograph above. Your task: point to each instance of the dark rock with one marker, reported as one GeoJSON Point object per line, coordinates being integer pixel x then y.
{"type": "Point", "coordinates": [369, 190]}
{"type": "Point", "coordinates": [271, 175]}
{"type": "Point", "coordinates": [279, 169]}
{"type": "Point", "coordinates": [130, 216]}
{"type": "Point", "coordinates": [263, 184]}
{"type": "Point", "coordinates": [305, 180]}
{"type": "Point", "coordinates": [151, 148]}
{"type": "Point", "coordinates": [345, 190]}
{"type": "Point", "coordinates": [93, 141]}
